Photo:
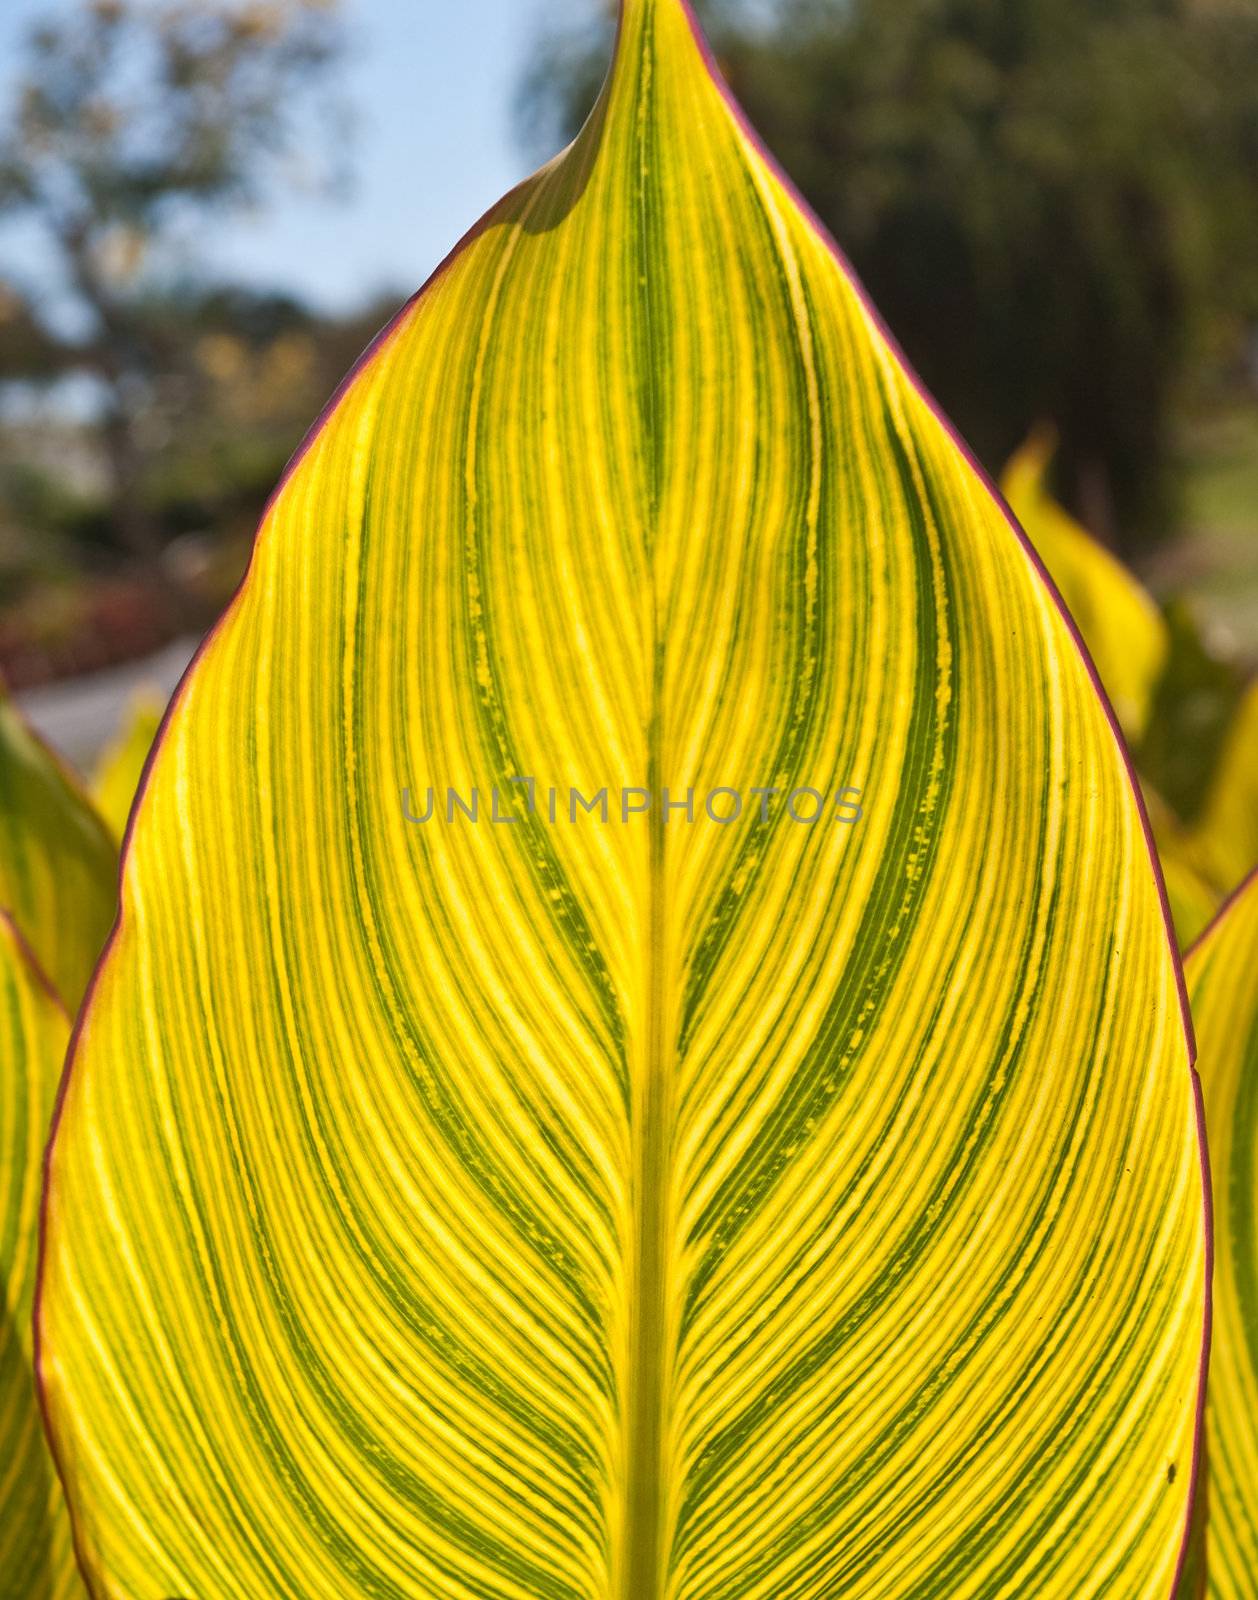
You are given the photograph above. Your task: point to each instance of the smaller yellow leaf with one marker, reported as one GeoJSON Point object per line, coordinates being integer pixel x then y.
{"type": "Point", "coordinates": [58, 863]}
{"type": "Point", "coordinates": [121, 765]}
{"type": "Point", "coordinates": [36, 1555]}
{"type": "Point", "coordinates": [1223, 983]}
{"type": "Point", "coordinates": [1119, 620]}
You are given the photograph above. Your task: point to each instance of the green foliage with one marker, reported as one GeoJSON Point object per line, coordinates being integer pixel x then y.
{"type": "Point", "coordinates": [1053, 202]}
{"type": "Point", "coordinates": [1193, 707]}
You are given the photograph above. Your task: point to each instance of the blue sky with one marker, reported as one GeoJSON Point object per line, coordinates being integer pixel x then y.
{"type": "Point", "coordinates": [432, 85]}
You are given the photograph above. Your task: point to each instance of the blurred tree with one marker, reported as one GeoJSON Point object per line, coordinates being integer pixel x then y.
{"type": "Point", "coordinates": [132, 121]}
{"type": "Point", "coordinates": [1053, 202]}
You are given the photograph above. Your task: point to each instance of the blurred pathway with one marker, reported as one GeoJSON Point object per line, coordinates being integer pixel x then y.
{"type": "Point", "coordinates": [81, 715]}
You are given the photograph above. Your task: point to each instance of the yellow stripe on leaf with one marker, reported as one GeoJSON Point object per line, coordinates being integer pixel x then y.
{"type": "Point", "coordinates": [36, 1554]}
{"type": "Point", "coordinates": [1120, 622]}
{"type": "Point", "coordinates": [58, 864]}
{"type": "Point", "coordinates": [649, 1208]}
{"type": "Point", "coordinates": [1223, 982]}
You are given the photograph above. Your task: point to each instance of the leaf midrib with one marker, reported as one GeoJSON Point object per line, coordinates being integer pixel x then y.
{"type": "Point", "coordinates": [644, 1554]}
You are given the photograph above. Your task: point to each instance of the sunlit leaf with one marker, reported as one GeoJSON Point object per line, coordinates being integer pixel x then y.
{"type": "Point", "coordinates": [36, 1555]}
{"type": "Point", "coordinates": [1120, 622]}
{"type": "Point", "coordinates": [650, 1207]}
{"type": "Point", "coordinates": [117, 774]}
{"type": "Point", "coordinates": [58, 865]}
{"type": "Point", "coordinates": [1223, 981]}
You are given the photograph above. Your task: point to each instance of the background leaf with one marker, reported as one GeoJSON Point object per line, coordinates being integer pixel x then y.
{"type": "Point", "coordinates": [1207, 859]}
{"type": "Point", "coordinates": [36, 1555]}
{"type": "Point", "coordinates": [117, 775]}
{"type": "Point", "coordinates": [1195, 706]}
{"type": "Point", "coordinates": [1120, 622]}
{"type": "Point", "coordinates": [648, 1207]}
{"type": "Point", "coordinates": [1224, 841]}
{"type": "Point", "coordinates": [1223, 981]}
{"type": "Point", "coordinates": [58, 865]}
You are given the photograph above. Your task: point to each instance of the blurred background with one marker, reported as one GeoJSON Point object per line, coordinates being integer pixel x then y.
{"type": "Point", "coordinates": [208, 206]}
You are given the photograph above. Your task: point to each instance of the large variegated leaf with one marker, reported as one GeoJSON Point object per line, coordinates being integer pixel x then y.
{"type": "Point", "coordinates": [58, 865]}
{"type": "Point", "coordinates": [618, 1209]}
{"type": "Point", "coordinates": [1119, 620]}
{"type": "Point", "coordinates": [1223, 981]}
{"type": "Point", "coordinates": [36, 1554]}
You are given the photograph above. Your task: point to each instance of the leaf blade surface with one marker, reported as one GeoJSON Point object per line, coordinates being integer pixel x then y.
{"type": "Point", "coordinates": [1223, 981]}
{"type": "Point", "coordinates": [651, 1207]}
{"type": "Point", "coordinates": [36, 1553]}
{"type": "Point", "coordinates": [58, 864]}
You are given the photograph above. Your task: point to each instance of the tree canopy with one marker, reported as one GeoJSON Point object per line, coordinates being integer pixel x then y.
{"type": "Point", "coordinates": [129, 125]}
